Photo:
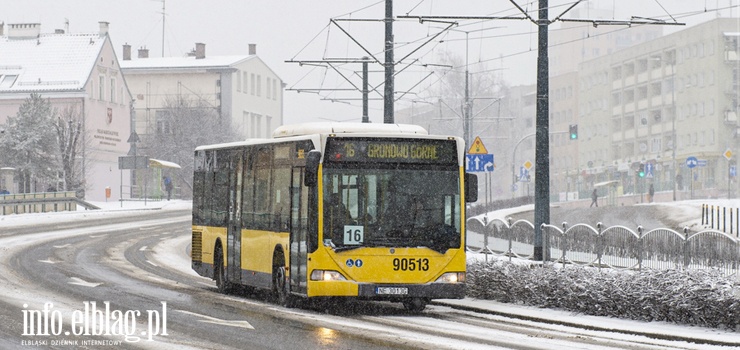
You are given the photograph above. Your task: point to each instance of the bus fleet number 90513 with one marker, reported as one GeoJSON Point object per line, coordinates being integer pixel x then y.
{"type": "Point", "coordinates": [404, 264]}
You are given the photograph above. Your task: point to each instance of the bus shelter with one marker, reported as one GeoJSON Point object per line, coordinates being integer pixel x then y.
{"type": "Point", "coordinates": [608, 190]}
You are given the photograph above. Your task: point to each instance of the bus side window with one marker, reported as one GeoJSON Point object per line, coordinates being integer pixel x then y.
{"type": "Point", "coordinates": [262, 182]}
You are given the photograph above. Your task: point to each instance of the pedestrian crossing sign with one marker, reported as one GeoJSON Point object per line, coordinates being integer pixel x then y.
{"type": "Point", "coordinates": [477, 147]}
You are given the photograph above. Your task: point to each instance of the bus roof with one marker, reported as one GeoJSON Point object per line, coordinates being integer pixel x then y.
{"type": "Point", "coordinates": [341, 128]}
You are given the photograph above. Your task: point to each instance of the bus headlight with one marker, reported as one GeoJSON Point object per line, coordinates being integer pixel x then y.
{"type": "Point", "coordinates": [326, 275]}
{"type": "Point", "coordinates": [451, 277]}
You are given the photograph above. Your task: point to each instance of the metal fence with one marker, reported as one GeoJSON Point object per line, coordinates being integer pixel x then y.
{"type": "Point", "coordinates": [608, 247]}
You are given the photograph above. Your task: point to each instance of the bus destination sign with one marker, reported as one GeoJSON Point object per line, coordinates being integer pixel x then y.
{"type": "Point", "coordinates": [384, 150]}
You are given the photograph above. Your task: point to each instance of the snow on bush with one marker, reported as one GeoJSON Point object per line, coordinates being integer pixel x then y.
{"type": "Point", "coordinates": [691, 297]}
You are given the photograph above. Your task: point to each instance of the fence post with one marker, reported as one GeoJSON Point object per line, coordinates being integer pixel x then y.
{"type": "Point", "coordinates": [639, 247]}
{"type": "Point", "coordinates": [703, 214]}
{"type": "Point", "coordinates": [712, 216]}
{"type": "Point", "coordinates": [724, 219]}
{"type": "Point", "coordinates": [509, 252]}
{"type": "Point", "coordinates": [485, 234]}
{"type": "Point", "coordinates": [686, 257]}
{"type": "Point", "coordinates": [562, 243]}
{"type": "Point", "coordinates": [599, 244]}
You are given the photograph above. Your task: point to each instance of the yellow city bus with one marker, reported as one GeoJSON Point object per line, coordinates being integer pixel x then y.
{"type": "Point", "coordinates": [367, 211]}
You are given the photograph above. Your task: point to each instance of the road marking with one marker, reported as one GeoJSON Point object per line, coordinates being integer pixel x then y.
{"type": "Point", "coordinates": [97, 236]}
{"type": "Point", "coordinates": [81, 282]}
{"type": "Point", "coordinates": [62, 246]}
{"type": "Point", "coordinates": [48, 261]}
{"type": "Point", "coordinates": [218, 321]}
{"type": "Point", "coordinates": [142, 248]}
{"type": "Point", "coordinates": [151, 263]}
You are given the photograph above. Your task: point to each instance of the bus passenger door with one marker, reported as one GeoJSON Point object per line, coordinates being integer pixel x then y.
{"type": "Point", "coordinates": [233, 233]}
{"type": "Point", "coordinates": [298, 231]}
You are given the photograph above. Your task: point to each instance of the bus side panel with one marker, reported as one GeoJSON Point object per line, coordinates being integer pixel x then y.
{"type": "Point", "coordinates": [257, 248]}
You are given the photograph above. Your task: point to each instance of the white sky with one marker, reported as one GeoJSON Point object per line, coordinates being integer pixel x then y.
{"type": "Point", "coordinates": [283, 29]}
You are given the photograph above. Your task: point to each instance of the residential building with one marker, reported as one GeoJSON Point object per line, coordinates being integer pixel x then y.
{"type": "Point", "coordinates": [670, 100]}
{"type": "Point", "coordinates": [241, 87]}
{"type": "Point", "coordinates": [78, 71]}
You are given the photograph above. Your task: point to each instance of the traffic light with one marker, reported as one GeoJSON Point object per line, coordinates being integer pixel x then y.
{"type": "Point", "coordinates": [573, 131]}
{"type": "Point", "coordinates": [641, 171]}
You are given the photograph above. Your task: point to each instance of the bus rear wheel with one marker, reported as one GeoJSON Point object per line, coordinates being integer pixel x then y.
{"type": "Point", "coordinates": [415, 305]}
{"type": "Point", "coordinates": [219, 272]}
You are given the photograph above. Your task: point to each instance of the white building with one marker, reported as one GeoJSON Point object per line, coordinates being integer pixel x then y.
{"type": "Point", "coordinates": [72, 70]}
{"type": "Point", "coordinates": [242, 87]}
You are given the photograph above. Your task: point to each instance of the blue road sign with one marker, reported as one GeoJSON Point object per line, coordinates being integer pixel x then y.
{"type": "Point", "coordinates": [691, 162]}
{"type": "Point", "coordinates": [733, 170]}
{"type": "Point", "coordinates": [649, 170]}
{"type": "Point", "coordinates": [523, 174]}
{"type": "Point", "coordinates": [701, 162]}
{"type": "Point", "coordinates": [479, 163]}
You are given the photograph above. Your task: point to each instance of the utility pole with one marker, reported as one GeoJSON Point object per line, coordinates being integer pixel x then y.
{"type": "Point", "coordinates": [365, 117]}
{"type": "Point", "coordinates": [542, 142]}
{"type": "Point", "coordinates": [388, 95]}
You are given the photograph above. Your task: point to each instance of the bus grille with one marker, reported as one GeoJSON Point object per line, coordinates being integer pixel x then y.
{"type": "Point", "coordinates": [197, 246]}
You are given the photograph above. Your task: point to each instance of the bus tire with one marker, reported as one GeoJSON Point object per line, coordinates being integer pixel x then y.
{"type": "Point", "coordinates": [219, 271]}
{"type": "Point", "coordinates": [280, 286]}
{"type": "Point", "coordinates": [415, 305]}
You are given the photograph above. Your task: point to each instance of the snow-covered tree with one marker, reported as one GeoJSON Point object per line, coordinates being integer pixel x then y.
{"type": "Point", "coordinates": [183, 125]}
{"type": "Point", "coordinates": [29, 144]}
{"type": "Point", "coordinates": [69, 133]}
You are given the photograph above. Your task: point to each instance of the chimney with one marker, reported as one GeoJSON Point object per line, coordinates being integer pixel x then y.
{"type": "Point", "coordinates": [200, 51]}
{"type": "Point", "coordinates": [58, 31]}
{"type": "Point", "coordinates": [24, 30]}
{"type": "Point", "coordinates": [103, 28]}
{"type": "Point", "coordinates": [126, 52]}
{"type": "Point", "coordinates": [143, 53]}
{"type": "Point", "coordinates": [2, 27]}
{"type": "Point", "coordinates": [252, 49]}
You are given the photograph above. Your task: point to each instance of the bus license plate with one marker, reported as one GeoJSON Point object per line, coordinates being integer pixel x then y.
{"type": "Point", "coordinates": [391, 290]}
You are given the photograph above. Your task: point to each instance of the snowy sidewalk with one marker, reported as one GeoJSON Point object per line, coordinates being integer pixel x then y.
{"type": "Point", "coordinates": [661, 330]}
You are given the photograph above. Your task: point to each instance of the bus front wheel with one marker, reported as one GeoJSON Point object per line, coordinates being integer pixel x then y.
{"type": "Point", "coordinates": [280, 286]}
{"type": "Point", "coordinates": [415, 305]}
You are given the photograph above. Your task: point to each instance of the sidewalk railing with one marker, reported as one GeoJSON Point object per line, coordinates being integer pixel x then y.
{"type": "Point", "coordinates": [721, 218]}
{"type": "Point", "coordinates": [41, 202]}
{"type": "Point", "coordinates": [611, 247]}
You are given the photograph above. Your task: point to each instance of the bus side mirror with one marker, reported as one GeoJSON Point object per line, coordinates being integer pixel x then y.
{"type": "Point", "coordinates": [471, 188]}
{"type": "Point", "coordinates": [312, 168]}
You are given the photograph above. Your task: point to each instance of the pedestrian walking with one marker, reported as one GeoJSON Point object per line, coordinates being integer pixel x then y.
{"type": "Point", "coordinates": [651, 193]}
{"type": "Point", "coordinates": [168, 186]}
{"type": "Point", "coordinates": [594, 198]}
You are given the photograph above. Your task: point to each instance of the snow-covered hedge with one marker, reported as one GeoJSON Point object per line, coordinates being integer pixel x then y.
{"type": "Point", "coordinates": [692, 297]}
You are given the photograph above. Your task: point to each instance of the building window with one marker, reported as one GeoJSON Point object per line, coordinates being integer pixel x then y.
{"type": "Point", "coordinates": [259, 85]}
{"type": "Point", "coordinates": [252, 83]}
{"type": "Point", "coordinates": [101, 86]}
{"type": "Point", "coordinates": [245, 81]}
{"type": "Point", "coordinates": [238, 81]}
{"type": "Point", "coordinates": [8, 80]}
{"type": "Point", "coordinates": [268, 126]}
{"type": "Point", "coordinates": [113, 89]}
{"type": "Point", "coordinates": [274, 89]}
{"type": "Point", "coordinates": [268, 88]}
{"type": "Point", "coordinates": [256, 125]}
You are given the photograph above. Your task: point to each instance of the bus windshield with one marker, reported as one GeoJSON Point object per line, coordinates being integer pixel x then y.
{"type": "Point", "coordinates": [400, 206]}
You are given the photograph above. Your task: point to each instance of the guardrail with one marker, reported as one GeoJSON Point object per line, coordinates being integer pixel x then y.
{"type": "Point", "coordinates": [41, 202]}
{"type": "Point", "coordinates": [612, 247]}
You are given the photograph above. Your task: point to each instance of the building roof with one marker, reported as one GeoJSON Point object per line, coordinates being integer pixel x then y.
{"type": "Point", "coordinates": [49, 62]}
{"type": "Point", "coordinates": [154, 63]}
